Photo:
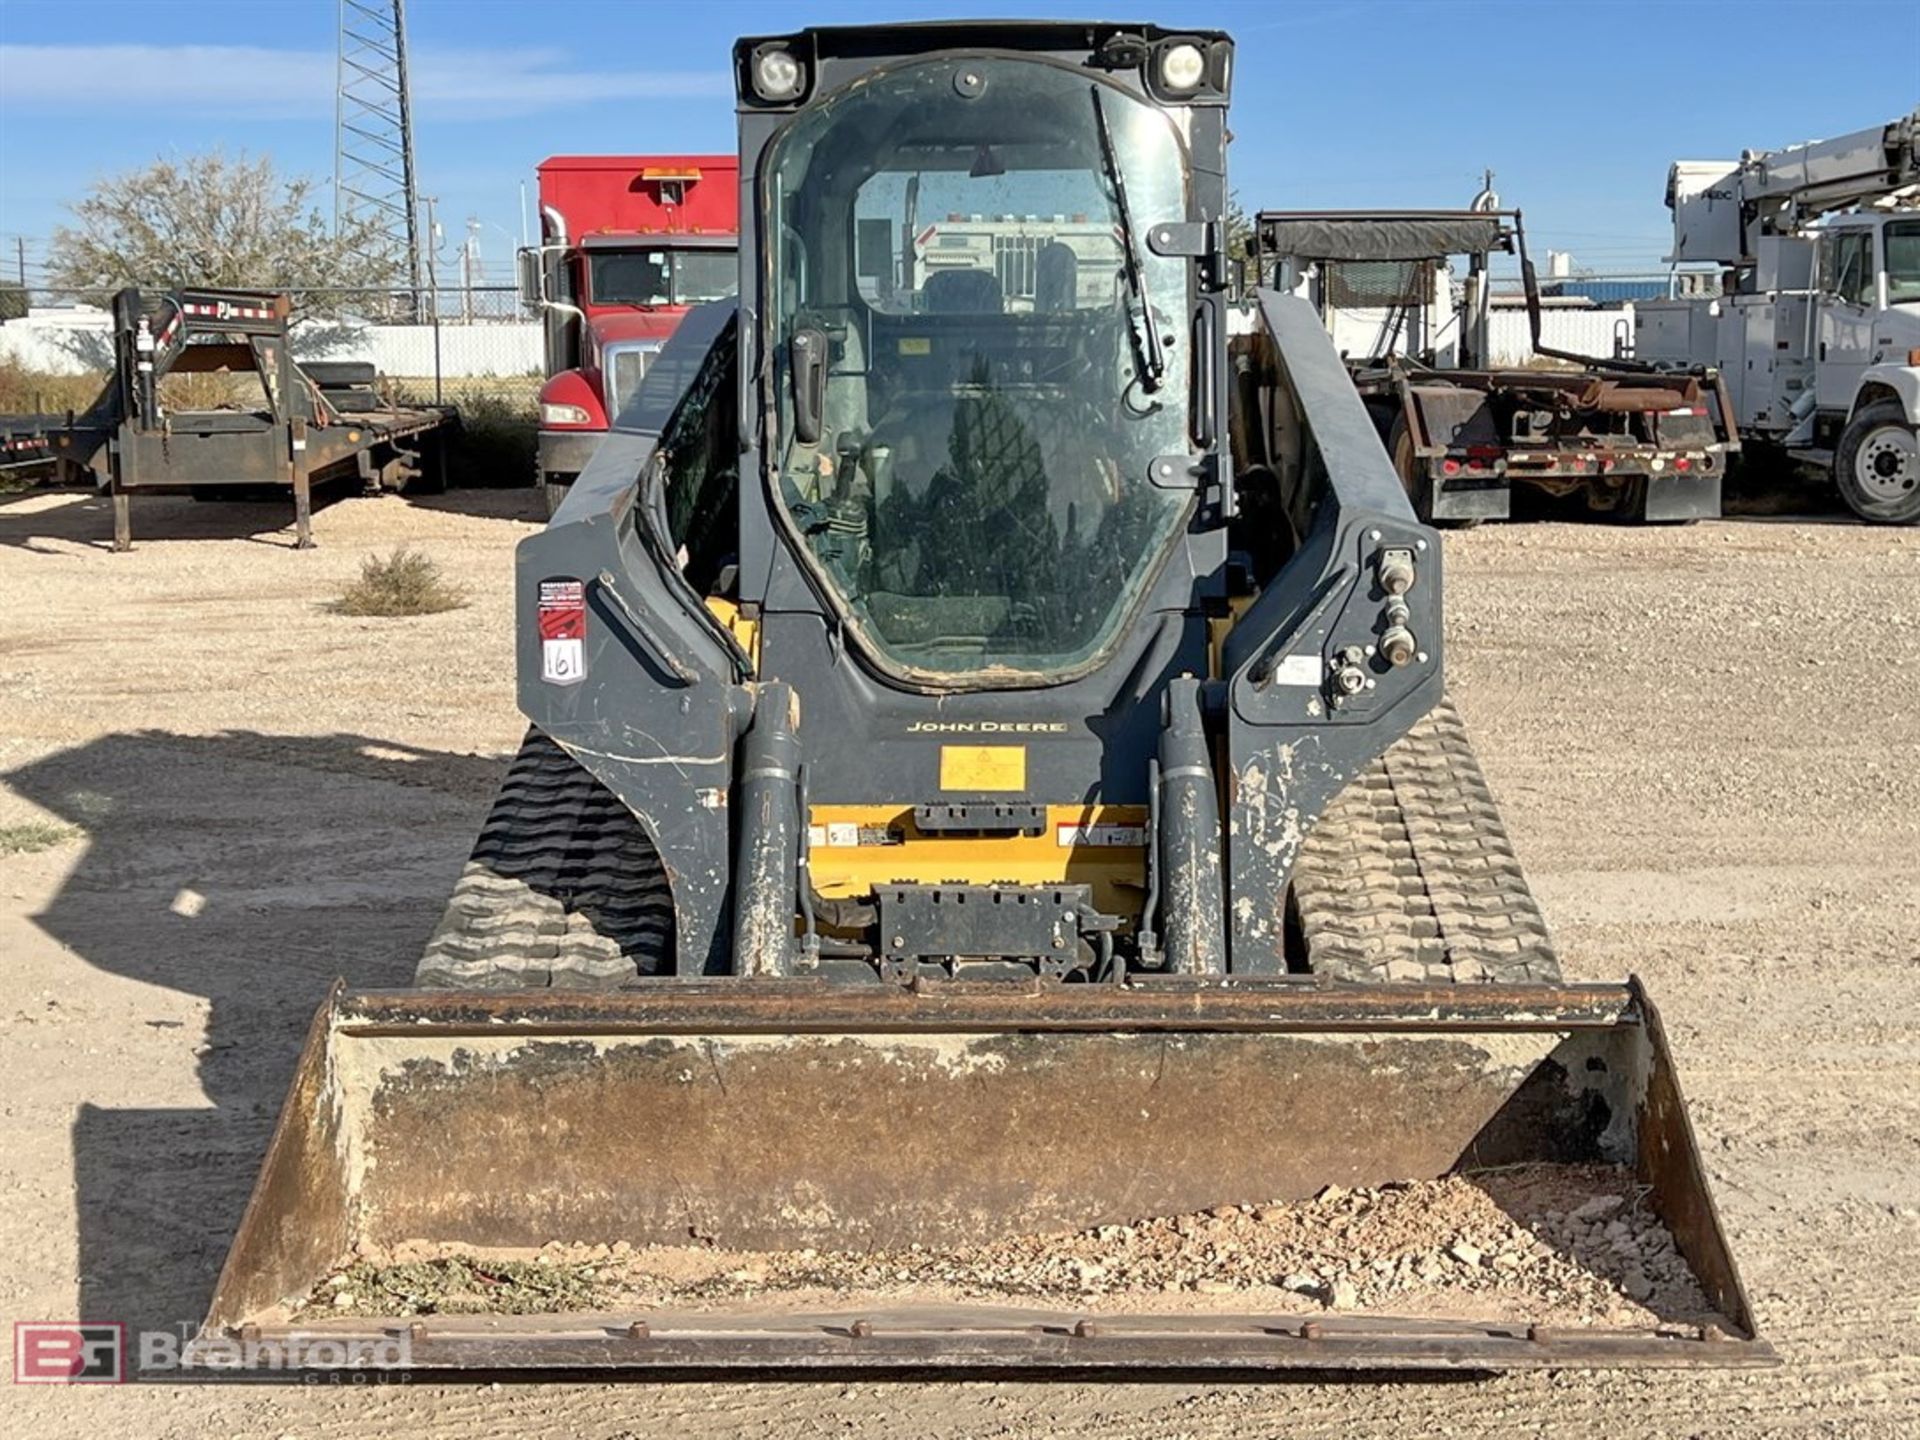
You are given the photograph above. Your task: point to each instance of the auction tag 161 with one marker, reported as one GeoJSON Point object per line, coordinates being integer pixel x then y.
{"type": "Point", "coordinates": [562, 614]}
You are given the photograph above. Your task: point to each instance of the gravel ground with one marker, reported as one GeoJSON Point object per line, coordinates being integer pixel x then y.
{"type": "Point", "coordinates": [1557, 1245]}
{"type": "Point", "coordinates": [1706, 741]}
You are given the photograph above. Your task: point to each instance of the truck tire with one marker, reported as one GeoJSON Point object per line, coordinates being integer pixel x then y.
{"type": "Point", "coordinates": [1877, 465]}
{"type": "Point", "coordinates": [341, 374]}
{"type": "Point", "coordinates": [1419, 484]}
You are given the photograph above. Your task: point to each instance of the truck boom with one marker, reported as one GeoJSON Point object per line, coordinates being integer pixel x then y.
{"type": "Point", "coordinates": [1776, 192]}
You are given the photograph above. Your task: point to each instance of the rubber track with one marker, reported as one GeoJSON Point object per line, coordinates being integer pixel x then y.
{"type": "Point", "coordinates": [563, 889]}
{"type": "Point", "coordinates": [1410, 876]}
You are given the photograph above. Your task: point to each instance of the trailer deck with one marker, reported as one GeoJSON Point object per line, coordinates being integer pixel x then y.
{"type": "Point", "coordinates": [302, 427]}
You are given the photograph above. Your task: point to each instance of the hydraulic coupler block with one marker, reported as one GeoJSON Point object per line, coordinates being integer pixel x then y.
{"type": "Point", "coordinates": [1396, 575]}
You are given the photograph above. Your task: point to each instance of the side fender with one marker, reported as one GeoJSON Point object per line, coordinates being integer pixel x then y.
{"type": "Point", "coordinates": [1902, 380]}
{"type": "Point", "coordinates": [619, 660]}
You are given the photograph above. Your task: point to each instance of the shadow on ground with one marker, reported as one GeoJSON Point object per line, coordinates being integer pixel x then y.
{"type": "Point", "coordinates": [249, 870]}
{"type": "Point", "coordinates": [85, 517]}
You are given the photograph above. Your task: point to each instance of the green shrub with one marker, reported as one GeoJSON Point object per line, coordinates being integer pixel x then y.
{"type": "Point", "coordinates": [403, 583]}
{"type": "Point", "coordinates": [25, 391]}
{"type": "Point", "coordinates": [494, 443]}
{"type": "Point", "coordinates": [495, 439]}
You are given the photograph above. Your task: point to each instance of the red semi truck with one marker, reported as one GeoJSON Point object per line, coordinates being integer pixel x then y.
{"type": "Point", "coordinates": [628, 243]}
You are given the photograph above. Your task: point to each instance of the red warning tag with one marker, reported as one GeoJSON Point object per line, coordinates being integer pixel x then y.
{"type": "Point", "coordinates": [562, 616]}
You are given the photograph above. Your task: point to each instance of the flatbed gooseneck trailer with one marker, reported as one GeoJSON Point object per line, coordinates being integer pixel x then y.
{"type": "Point", "coordinates": [990, 782]}
{"type": "Point", "coordinates": [299, 425]}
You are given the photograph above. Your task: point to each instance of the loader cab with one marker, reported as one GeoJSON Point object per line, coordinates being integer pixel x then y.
{"type": "Point", "coordinates": [976, 645]}
{"type": "Point", "coordinates": [982, 382]}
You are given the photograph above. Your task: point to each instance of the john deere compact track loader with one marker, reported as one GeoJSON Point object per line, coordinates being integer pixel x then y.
{"type": "Point", "coordinates": [990, 776]}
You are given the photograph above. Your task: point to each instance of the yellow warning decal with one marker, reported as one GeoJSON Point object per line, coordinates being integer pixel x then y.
{"type": "Point", "coordinates": [915, 345]}
{"type": "Point", "coordinates": [983, 767]}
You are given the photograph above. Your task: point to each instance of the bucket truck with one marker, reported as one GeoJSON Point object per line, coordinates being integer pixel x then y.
{"type": "Point", "coordinates": [1817, 326]}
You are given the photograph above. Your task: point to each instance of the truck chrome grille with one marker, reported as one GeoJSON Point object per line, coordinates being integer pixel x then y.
{"type": "Point", "coordinates": [626, 367]}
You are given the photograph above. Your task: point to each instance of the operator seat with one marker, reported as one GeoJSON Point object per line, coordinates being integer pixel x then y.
{"type": "Point", "coordinates": [1056, 279]}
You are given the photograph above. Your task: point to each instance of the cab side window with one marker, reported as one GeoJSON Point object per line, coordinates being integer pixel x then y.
{"type": "Point", "coordinates": [1849, 265]}
{"type": "Point", "coordinates": [703, 478]}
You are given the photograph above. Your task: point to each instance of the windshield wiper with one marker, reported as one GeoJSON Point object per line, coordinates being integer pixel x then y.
{"type": "Point", "coordinates": [1145, 336]}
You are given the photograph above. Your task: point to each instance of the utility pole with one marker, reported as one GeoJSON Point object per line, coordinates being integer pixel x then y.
{"type": "Point", "coordinates": [469, 254]}
{"type": "Point", "coordinates": [433, 294]}
{"type": "Point", "coordinates": [373, 176]}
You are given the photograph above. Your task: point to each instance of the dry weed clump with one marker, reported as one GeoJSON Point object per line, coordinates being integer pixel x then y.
{"type": "Point", "coordinates": [33, 837]}
{"type": "Point", "coordinates": [403, 583]}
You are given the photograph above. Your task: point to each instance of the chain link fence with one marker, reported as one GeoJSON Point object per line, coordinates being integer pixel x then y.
{"type": "Point", "coordinates": [476, 346]}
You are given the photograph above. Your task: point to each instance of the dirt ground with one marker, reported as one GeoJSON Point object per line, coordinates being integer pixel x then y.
{"type": "Point", "coordinates": [1707, 741]}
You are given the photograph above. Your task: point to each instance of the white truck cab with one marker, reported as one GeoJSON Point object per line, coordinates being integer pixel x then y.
{"type": "Point", "coordinates": [1868, 273]}
{"type": "Point", "coordinates": [1818, 327]}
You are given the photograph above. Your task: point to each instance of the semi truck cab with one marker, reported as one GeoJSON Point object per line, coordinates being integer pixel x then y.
{"type": "Point", "coordinates": [628, 244]}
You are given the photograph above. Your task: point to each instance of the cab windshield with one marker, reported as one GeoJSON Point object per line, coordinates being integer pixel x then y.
{"type": "Point", "coordinates": [998, 379]}
{"type": "Point", "coordinates": [662, 277]}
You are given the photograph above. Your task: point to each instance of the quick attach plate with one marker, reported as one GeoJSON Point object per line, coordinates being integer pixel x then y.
{"type": "Point", "coordinates": [1038, 925]}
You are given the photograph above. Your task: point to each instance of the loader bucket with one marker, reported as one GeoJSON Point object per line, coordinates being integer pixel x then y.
{"type": "Point", "coordinates": [797, 1134]}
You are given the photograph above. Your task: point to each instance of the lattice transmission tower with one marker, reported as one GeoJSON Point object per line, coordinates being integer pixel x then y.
{"type": "Point", "coordinates": [373, 177]}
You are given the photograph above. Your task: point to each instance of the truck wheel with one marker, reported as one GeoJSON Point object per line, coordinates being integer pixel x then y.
{"type": "Point", "coordinates": [1629, 502]}
{"type": "Point", "coordinates": [1877, 467]}
{"type": "Point", "coordinates": [555, 488]}
{"type": "Point", "coordinates": [1418, 483]}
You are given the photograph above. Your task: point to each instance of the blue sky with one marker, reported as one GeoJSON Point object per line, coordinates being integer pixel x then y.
{"type": "Point", "coordinates": [1577, 107]}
